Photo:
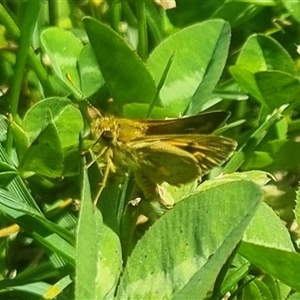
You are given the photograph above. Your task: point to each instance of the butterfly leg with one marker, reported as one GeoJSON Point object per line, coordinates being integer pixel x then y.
{"type": "Point", "coordinates": [108, 168]}
{"type": "Point", "coordinates": [97, 157]}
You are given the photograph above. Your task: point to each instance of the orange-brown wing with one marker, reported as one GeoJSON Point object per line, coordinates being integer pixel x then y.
{"type": "Point", "coordinates": [163, 162]}
{"type": "Point", "coordinates": [179, 159]}
{"type": "Point", "coordinates": [210, 151]}
{"type": "Point", "coordinates": [199, 124]}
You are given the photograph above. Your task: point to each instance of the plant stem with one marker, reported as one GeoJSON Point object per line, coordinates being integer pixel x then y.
{"type": "Point", "coordinates": [142, 30]}
{"type": "Point", "coordinates": [30, 17]}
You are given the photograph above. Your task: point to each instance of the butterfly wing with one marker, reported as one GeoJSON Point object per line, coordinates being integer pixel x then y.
{"type": "Point", "coordinates": [210, 151]}
{"type": "Point", "coordinates": [180, 159]}
{"type": "Point", "coordinates": [199, 124]}
{"type": "Point", "coordinates": [161, 161]}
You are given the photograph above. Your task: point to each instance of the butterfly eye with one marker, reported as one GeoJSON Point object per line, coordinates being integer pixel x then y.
{"type": "Point", "coordinates": [107, 136]}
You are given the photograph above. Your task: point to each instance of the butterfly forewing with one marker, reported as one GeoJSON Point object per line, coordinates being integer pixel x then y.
{"type": "Point", "coordinates": [202, 124]}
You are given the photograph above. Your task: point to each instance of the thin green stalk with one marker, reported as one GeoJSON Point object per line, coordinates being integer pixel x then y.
{"type": "Point", "coordinates": [161, 83]}
{"type": "Point", "coordinates": [33, 61]}
{"type": "Point", "coordinates": [53, 12]}
{"type": "Point", "coordinates": [217, 291]}
{"type": "Point", "coordinates": [128, 14]}
{"type": "Point", "coordinates": [142, 29]}
{"type": "Point", "coordinates": [31, 13]}
{"type": "Point", "coordinates": [252, 142]}
{"type": "Point", "coordinates": [154, 21]}
{"type": "Point", "coordinates": [116, 16]}
{"type": "Point", "coordinates": [8, 22]}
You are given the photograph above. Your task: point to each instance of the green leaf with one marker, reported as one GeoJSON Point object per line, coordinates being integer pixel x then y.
{"type": "Point", "coordinates": [3, 128]}
{"type": "Point", "coordinates": [86, 251]}
{"type": "Point", "coordinates": [200, 54]}
{"type": "Point", "coordinates": [262, 228]}
{"type": "Point", "coordinates": [258, 160]}
{"type": "Point", "coordinates": [63, 49]}
{"type": "Point", "coordinates": [7, 174]}
{"type": "Point", "coordinates": [42, 289]}
{"type": "Point", "coordinates": [237, 13]}
{"type": "Point", "coordinates": [295, 296]}
{"type": "Point", "coordinates": [257, 290]}
{"type": "Point", "coordinates": [69, 124]}
{"type": "Point", "coordinates": [7, 177]}
{"type": "Point", "coordinates": [98, 252]}
{"type": "Point", "coordinates": [259, 177]}
{"type": "Point", "coordinates": [297, 207]}
{"type": "Point", "coordinates": [266, 71]}
{"type": "Point", "coordinates": [192, 12]}
{"type": "Point", "coordinates": [274, 254]}
{"type": "Point", "coordinates": [263, 53]}
{"type": "Point", "coordinates": [277, 88]}
{"type": "Point", "coordinates": [17, 187]}
{"type": "Point", "coordinates": [237, 272]}
{"type": "Point", "coordinates": [253, 140]}
{"type": "Point", "coordinates": [280, 263]}
{"type": "Point", "coordinates": [285, 154]}
{"type": "Point", "coordinates": [125, 75]}
{"type": "Point", "coordinates": [278, 289]}
{"type": "Point", "coordinates": [50, 235]}
{"type": "Point", "coordinates": [21, 138]}
{"type": "Point", "coordinates": [36, 288]}
{"type": "Point", "coordinates": [54, 290]}
{"type": "Point", "coordinates": [45, 155]}
{"type": "Point", "coordinates": [90, 76]}
{"type": "Point", "coordinates": [293, 8]}
{"type": "Point", "coordinates": [132, 110]}
{"type": "Point", "coordinates": [240, 13]}
{"type": "Point", "coordinates": [183, 252]}
{"type": "Point", "coordinates": [271, 88]}
{"type": "Point", "coordinates": [62, 113]}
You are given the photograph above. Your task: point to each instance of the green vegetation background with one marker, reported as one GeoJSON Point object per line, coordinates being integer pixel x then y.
{"type": "Point", "coordinates": [234, 236]}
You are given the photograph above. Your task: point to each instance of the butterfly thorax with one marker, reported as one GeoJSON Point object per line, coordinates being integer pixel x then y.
{"type": "Point", "coordinates": [116, 134]}
{"type": "Point", "coordinates": [111, 131]}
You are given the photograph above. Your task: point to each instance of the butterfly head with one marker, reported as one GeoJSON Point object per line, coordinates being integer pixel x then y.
{"type": "Point", "coordinates": [105, 130]}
